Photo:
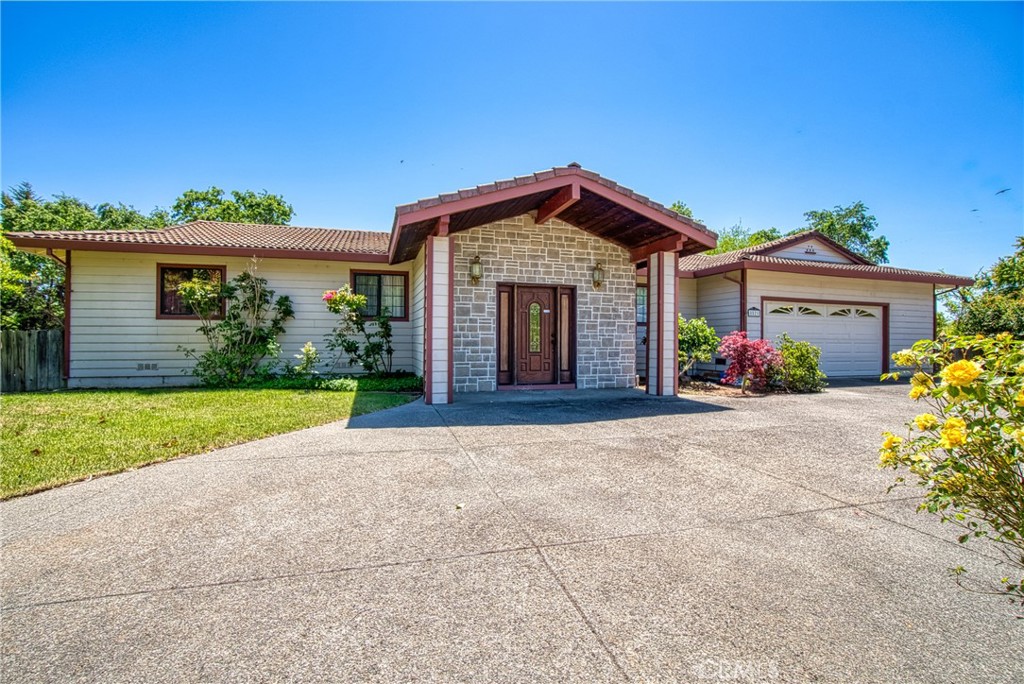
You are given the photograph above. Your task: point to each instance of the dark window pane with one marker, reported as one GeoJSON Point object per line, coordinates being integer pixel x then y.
{"type": "Point", "coordinates": [171, 277]}
{"type": "Point", "coordinates": [369, 286]}
{"type": "Point", "coordinates": [381, 290]}
{"type": "Point", "coordinates": [392, 292]}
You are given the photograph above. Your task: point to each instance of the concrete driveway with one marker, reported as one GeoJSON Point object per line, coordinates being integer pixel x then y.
{"type": "Point", "coordinates": [530, 537]}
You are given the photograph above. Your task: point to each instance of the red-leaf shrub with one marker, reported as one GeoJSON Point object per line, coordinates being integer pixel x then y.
{"type": "Point", "coordinates": [750, 361]}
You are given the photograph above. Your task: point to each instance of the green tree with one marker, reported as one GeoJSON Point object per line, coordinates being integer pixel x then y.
{"type": "Point", "coordinates": [681, 208]}
{"type": "Point", "coordinates": [852, 227]}
{"type": "Point", "coordinates": [32, 286]}
{"type": "Point", "coordinates": [242, 207]}
{"type": "Point", "coordinates": [995, 304]}
{"type": "Point", "coordinates": [738, 237]}
{"type": "Point", "coordinates": [31, 290]}
{"type": "Point", "coordinates": [24, 210]}
{"type": "Point", "coordinates": [697, 342]}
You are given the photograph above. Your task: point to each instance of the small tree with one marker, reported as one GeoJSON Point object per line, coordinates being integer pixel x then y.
{"type": "Point", "coordinates": [374, 353]}
{"type": "Point", "coordinates": [238, 343]}
{"type": "Point", "coordinates": [799, 371]}
{"type": "Point", "coordinates": [967, 450]}
{"type": "Point", "coordinates": [750, 361]}
{"type": "Point", "coordinates": [697, 342]}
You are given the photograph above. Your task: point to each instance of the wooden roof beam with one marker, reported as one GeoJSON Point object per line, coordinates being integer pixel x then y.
{"type": "Point", "coordinates": [559, 202]}
{"type": "Point", "coordinates": [672, 243]}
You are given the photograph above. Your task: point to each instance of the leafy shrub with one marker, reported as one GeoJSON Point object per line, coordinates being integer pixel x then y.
{"type": "Point", "coordinates": [247, 334]}
{"type": "Point", "coordinates": [308, 359]}
{"type": "Point", "coordinates": [799, 371]}
{"type": "Point", "coordinates": [750, 361]}
{"type": "Point", "coordinates": [697, 342]}
{"type": "Point", "coordinates": [967, 450]}
{"type": "Point", "coordinates": [374, 353]}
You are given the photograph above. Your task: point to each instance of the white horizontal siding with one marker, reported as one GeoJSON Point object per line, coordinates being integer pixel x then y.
{"type": "Point", "coordinates": [417, 309]}
{"type": "Point", "coordinates": [718, 300]}
{"type": "Point", "coordinates": [910, 304]}
{"type": "Point", "coordinates": [688, 298]}
{"type": "Point", "coordinates": [114, 325]}
{"type": "Point", "coordinates": [822, 252]}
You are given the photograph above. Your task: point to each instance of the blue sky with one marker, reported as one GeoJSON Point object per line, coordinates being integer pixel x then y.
{"type": "Point", "coordinates": [748, 112]}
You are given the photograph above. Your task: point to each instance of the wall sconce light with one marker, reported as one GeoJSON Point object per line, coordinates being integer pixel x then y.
{"type": "Point", "coordinates": [598, 276]}
{"type": "Point", "coordinates": [476, 270]}
{"type": "Point", "coordinates": [753, 312]}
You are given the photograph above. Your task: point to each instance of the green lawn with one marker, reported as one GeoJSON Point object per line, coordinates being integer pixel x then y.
{"type": "Point", "coordinates": [52, 438]}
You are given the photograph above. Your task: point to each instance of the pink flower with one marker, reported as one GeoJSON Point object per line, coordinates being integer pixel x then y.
{"type": "Point", "coordinates": [329, 295]}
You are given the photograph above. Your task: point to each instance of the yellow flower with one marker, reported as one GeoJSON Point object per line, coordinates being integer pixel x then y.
{"type": "Point", "coordinates": [891, 441]}
{"type": "Point", "coordinates": [953, 433]}
{"type": "Point", "coordinates": [917, 391]}
{"type": "Point", "coordinates": [961, 373]}
{"type": "Point", "coordinates": [955, 423]}
{"type": "Point", "coordinates": [926, 421]}
{"type": "Point", "coordinates": [1004, 337]}
{"type": "Point", "coordinates": [904, 358]}
{"type": "Point", "coordinates": [887, 459]}
{"type": "Point", "coordinates": [950, 440]}
{"type": "Point", "coordinates": [1018, 437]}
{"type": "Point", "coordinates": [920, 379]}
{"type": "Point", "coordinates": [1019, 399]}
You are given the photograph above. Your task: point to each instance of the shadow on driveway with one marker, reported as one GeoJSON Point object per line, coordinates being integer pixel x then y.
{"type": "Point", "coordinates": [546, 407]}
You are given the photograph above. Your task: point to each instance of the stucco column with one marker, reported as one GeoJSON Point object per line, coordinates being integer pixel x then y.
{"type": "Point", "coordinates": [437, 350]}
{"type": "Point", "coordinates": [662, 344]}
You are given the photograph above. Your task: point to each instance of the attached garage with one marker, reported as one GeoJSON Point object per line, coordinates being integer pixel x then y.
{"type": "Point", "coordinates": [814, 289]}
{"type": "Point", "coordinates": [849, 335]}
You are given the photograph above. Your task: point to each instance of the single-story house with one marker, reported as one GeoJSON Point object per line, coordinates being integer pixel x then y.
{"type": "Point", "coordinates": [557, 279]}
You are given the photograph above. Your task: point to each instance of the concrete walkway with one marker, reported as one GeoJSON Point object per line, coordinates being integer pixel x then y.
{"type": "Point", "coordinates": [528, 537]}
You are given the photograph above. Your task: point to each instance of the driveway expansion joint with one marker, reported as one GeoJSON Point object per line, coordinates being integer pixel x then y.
{"type": "Point", "coordinates": [544, 559]}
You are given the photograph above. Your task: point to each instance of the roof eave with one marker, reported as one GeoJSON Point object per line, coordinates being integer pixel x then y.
{"type": "Point", "coordinates": [34, 242]}
{"type": "Point", "coordinates": [934, 278]}
{"type": "Point", "coordinates": [467, 200]}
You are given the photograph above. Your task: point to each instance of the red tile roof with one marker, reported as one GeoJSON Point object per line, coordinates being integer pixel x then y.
{"type": "Point", "coordinates": [756, 257]}
{"type": "Point", "coordinates": [572, 169]}
{"type": "Point", "coordinates": [239, 237]}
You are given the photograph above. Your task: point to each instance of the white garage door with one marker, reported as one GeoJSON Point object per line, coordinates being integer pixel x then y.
{"type": "Point", "coordinates": [850, 336]}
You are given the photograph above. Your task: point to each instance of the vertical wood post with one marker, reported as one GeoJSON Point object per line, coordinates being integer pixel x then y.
{"type": "Point", "coordinates": [662, 343]}
{"type": "Point", "coordinates": [438, 361]}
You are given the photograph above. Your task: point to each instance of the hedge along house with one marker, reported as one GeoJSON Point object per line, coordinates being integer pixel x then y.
{"type": "Point", "coordinates": [525, 283]}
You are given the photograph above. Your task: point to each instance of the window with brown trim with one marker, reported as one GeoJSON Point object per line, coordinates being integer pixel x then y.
{"type": "Point", "coordinates": [170, 276]}
{"type": "Point", "coordinates": [383, 290]}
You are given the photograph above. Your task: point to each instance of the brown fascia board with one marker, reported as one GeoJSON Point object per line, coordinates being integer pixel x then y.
{"type": "Point", "coordinates": [935, 278]}
{"type": "Point", "coordinates": [406, 214]}
{"type": "Point", "coordinates": [197, 250]}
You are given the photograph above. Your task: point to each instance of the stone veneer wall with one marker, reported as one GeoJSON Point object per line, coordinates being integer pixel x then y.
{"type": "Point", "coordinates": [518, 251]}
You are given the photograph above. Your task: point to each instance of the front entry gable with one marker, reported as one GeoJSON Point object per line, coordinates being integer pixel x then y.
{"type": "Point", "coordinates": [574, 195]}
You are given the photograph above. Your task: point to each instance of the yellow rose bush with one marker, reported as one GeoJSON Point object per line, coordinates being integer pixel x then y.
{"type": "Point", "coordinates": [967, 451]}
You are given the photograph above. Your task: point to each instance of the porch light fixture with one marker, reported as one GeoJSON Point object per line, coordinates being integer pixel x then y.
{"type": "Point", "coordinates": [476, 270]}
{"type": "Point", "coordinates": [598, 276]}
{"type": "Point", "coordinates": [753, 312]}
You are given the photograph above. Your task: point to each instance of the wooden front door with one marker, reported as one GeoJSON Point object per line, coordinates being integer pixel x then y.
{"type": "Point", "coordinates": [536, 335]}
{"type": "Point", "coordinates": [536, 341]}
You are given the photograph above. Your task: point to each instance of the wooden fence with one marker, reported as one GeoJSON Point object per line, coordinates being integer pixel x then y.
{"type": "Point", "coordinates": [31, 360]}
